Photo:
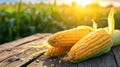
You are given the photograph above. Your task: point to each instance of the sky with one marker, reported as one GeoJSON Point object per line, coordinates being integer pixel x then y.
{"type": "Point", "coordinates": [101, 2]}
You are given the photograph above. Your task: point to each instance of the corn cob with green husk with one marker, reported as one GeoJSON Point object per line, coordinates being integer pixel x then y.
{"type": "Point", "coordinates": [94, 44]}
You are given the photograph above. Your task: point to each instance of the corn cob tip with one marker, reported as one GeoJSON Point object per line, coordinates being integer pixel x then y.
{"type": "Point", "coordinates": [51, 40]}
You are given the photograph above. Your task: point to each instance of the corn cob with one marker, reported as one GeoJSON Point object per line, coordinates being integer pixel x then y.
{"type": "Point", "coordinates": [92, 44]}
{"type": "Point", "coordinates": [68, 38]}
{"type": "Point", "coordinates": [89, 44]}
{"type": "Point", "coordinates": [56, 51]}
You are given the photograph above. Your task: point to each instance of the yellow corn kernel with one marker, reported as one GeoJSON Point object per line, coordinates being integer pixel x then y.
{"type": "Point", "coordinates": [68, 38]}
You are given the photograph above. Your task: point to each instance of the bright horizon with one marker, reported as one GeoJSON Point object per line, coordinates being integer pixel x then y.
{"type": "Point", "coordinates": [103, 3]}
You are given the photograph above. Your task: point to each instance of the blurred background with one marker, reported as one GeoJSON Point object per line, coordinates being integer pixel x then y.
{"type": "Point", "coordinates": [20, 18]}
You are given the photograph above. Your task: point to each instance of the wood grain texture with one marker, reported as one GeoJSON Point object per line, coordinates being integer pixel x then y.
{"type": "Point", "coordinates": [17, 50]}
{"type": "Point", "coordinates": [106, 60]}
{"type": "Point", "coordinates": [116, 51]}
{"type": "Point", "coordinates": [18, 62]}
{"type": "Point", "coordinates": [49, 62]}
{"type": "Point", "coordinates": [23, 51]}
{"type": "Point", "coordinates": [9, 45]}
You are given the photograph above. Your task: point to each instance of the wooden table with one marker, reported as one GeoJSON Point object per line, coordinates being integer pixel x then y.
{"type": "Point", "coordinates": [16, 53]}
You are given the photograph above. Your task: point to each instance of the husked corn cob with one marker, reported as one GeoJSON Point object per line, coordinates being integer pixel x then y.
{"type": "Point", "coordinates": [88, 45]}
{"type": "Point", "coordinates": [56, 51]}
{"type": "Point", "coordinates": [68, 38]}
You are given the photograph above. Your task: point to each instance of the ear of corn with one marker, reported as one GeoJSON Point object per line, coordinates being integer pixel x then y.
{"type": "Point", "coordinates": [56, 51]}
{"type": "Point", "coordinates": [68, 38]}
{"type": "Point", "coordinates": [88, 45]}
{"type": "Point", "coordinates": [114, 42]}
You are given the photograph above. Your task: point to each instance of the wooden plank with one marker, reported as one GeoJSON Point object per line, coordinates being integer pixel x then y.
{"type": "Point", "coordinates": [116, 51]}
{"type": "Point", "coordinates": [106, 60]}
{"type": "Point", "coordinates": [16, 50]}
{"type": "Point", "coordinates": [49, 62]}
{"type": "Point", "coordinates": [21, 41]}
{"type": "Point", "coordinates": [13, 62]}
{"type": "Point", "coordinates": [10, 62]}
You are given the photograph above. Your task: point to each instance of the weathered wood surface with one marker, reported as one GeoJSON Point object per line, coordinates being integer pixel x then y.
{"type": "Point", "coordinates": [19, 42]}
{"type": "Point", "coordinates": [17, 53]}
{"type": "Point", "coordinates": [116, 52]}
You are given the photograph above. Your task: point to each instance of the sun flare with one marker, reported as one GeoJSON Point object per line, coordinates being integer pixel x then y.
{"type": "Point", "coordinates": [83, 2]}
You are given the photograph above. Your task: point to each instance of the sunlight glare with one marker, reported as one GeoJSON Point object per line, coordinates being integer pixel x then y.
{"type": "Point", "coordinates": [83, 2]}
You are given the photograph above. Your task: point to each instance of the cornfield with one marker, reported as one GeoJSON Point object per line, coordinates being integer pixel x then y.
{"type": "Point", "coordinates": [20, 20]}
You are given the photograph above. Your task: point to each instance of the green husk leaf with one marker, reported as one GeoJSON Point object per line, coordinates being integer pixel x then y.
{"type": "Point", "coordinates": [111, 22]}
{"type": "Point", "coordinates": [116, 38]}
